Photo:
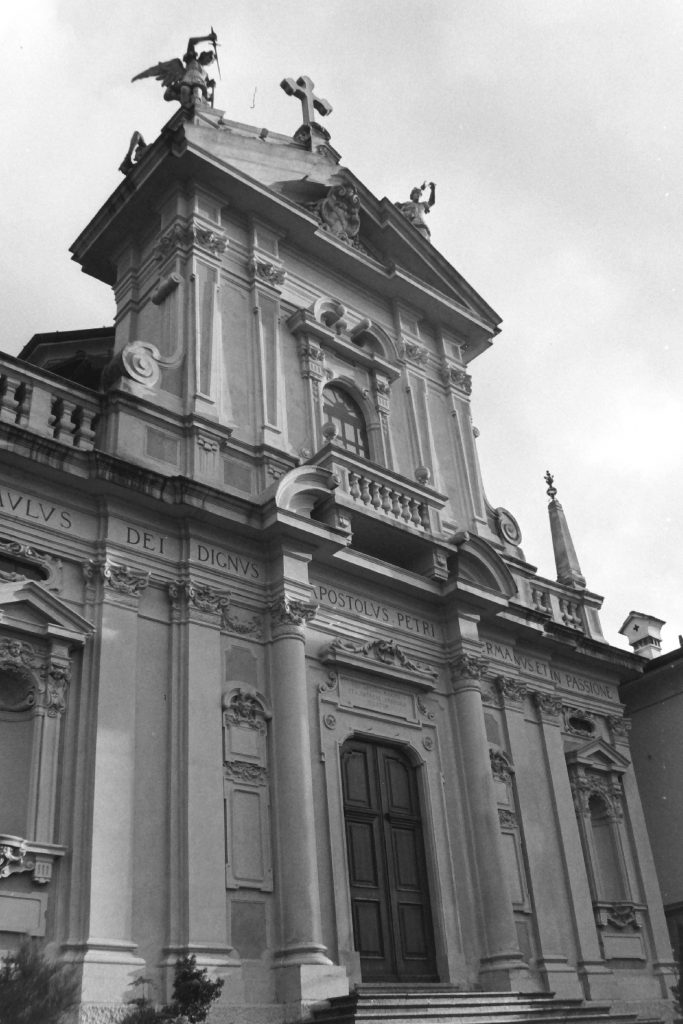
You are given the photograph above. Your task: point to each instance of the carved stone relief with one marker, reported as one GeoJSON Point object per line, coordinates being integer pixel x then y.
{"type": "Point", "coordinates": [339, 213]}
{"type": "Point", "coordinates": [513, 691]}
{"type": "Point", "coordinates": [500, 766]}
{"type": "Point", "coordinates": [213, 603]}
{"type": "Point", "coordinates": [469, 666]}
{"type": "Point", "coordinates": [290, 612]}
{"type": "Point", "coordinates": [548, 704]}
{"type": "Point", "coordinates": [386, 651]}
{"type": "Point", "coordinates": [269, 273]}
{"type": "Point", "coordinates": [183, 235]}
{"type": "Point", "coordinates": [122, 579]}
{"type": "Point", "coordinates": [586, 782]}
{"type": "Point", "coordinates": [415, 353]}
{"type": "Point", "coordinates": [246, 789]}
{"type": "Point", "coordinates": [456, 378]}
{"type": "Point", "coordinates": [578, 721]}
{"type": "Point", "coordinates": [27, 682]}
{"type": "Point", "coordinates": [43, 564]}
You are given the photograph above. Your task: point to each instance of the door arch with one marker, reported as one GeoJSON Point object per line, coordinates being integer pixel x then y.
{"type": "Point", "coordinates": [390, 905]}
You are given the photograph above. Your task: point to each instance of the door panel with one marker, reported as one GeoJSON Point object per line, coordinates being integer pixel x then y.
{"type": "Point", "coordinates": [387, 871]}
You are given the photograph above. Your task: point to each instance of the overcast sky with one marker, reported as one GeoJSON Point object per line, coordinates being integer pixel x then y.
{"type": "Point", "coordinates": [553, 129]}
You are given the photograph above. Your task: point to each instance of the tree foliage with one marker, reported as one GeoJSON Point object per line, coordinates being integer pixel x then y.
{"type": "Point", "coordinates": [35, 990]}
{"type": "Point", "coordinates": [193, 994]}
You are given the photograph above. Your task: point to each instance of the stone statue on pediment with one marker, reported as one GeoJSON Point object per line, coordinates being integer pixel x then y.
{"type": "Point", "coordinates": [187, 80]}
{"type": "Point", "coordinates": [416, 209]}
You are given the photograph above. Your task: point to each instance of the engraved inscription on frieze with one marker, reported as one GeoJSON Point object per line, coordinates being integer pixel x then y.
{"type": "Point", "coordinates": [539, 669]}
{"type": "Point", "coordinates": [343, 601]}
{"type": "Point", "coordinates": [380, 699]}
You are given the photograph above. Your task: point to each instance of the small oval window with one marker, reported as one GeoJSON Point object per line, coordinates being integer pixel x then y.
{"type": "Point", "coordinates": [581, 725]}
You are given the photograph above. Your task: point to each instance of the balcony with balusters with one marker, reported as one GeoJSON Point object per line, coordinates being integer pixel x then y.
{"type": "Point", "coordinates": [46, 406]}
{"type": "Point", "coordinates": [376, 504]}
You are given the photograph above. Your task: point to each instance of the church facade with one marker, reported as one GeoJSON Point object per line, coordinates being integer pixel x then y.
{"type": "Point", "coordinates": [278, 686]}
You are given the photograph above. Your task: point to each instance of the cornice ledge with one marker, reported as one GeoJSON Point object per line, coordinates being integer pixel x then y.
{"type": "Point", "coordinates": [383, 658]}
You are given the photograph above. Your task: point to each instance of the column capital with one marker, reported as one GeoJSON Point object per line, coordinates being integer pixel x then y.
{"type": "Point", "coordinates": [290, 615]}
{"type": "Point", "coordinates": [468, 667]}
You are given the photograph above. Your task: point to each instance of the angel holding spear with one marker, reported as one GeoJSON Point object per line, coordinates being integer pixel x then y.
{"type": "Point", "coordinates": [187, 80]}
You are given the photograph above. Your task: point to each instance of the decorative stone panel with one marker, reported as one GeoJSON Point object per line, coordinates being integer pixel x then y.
{"type": "Point", "coordinates": [246, 788]}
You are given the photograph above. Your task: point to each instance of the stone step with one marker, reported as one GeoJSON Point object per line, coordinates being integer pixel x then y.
{"type": "Point", "coordinates": [443, 1004]}
{"type": "Point", "coordinates": [453, 1015]}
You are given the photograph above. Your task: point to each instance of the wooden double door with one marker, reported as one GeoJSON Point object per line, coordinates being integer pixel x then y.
{"type": "Point", "coordinates": [392, 919]}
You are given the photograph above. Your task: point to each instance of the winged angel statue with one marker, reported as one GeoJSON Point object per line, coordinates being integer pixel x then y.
{"type": "Point", "coordinates": [187, 80]}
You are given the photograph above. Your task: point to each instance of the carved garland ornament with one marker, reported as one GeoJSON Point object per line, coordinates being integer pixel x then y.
{"type": "Point", "coordinates": [213, 602]}
{"type": "Point", "coordinates": [245, 771]}
{"type": "Point", "coordinates": [386, 651]}
{"type": "Point", "coordinates": [191, 234]}
{"type": "Point", "coordinates": [547, 703]}
{"type": "Point", "coordinates": [513, 691]}
{"type": "Point", "coordinates": [119, 578]}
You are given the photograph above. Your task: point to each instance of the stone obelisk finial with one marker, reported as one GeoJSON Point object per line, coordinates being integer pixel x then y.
{"type": "Point", "coordinates": [566, 562]}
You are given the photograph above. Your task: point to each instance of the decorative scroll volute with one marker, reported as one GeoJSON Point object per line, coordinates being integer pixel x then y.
{"type": "Point", "coordinates": [513, 691]}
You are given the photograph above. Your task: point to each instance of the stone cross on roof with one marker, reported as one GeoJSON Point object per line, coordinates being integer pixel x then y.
{"type": "Point", "coordinates": [303, 90]}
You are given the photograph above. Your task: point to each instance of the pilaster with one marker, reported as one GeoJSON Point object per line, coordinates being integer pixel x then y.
{"type": "Point", "coordinates": [109, 953]}
{"type": "Point", "coordinates": [268, 276]}
{"type": "Point", "coordinates": [553, 962]}
{"type": "Point", "coordinates": [197, 899]}
{"type": "Point", "coordinates": [597, 980]}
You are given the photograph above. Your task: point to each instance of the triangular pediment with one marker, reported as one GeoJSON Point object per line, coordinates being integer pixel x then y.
{"type": "Point", "coordinates": [270, 176]}
{"type": "Point", "coordinates": [26, 606]}
{"type": "Point", "coordinates": [599, 754]}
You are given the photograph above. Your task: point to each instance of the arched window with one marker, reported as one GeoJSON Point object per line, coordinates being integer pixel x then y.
{"type": "Point", "coordinates": [341, 410]}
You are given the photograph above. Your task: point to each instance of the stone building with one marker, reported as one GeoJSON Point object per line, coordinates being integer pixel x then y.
{"type": "Point", "coordinates": [654, 703]}
{"type": "Point", "coordinates": [278, 686]}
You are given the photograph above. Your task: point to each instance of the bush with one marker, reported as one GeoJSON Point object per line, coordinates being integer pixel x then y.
{"type": "Point", "coordinates": [35, 990]}
{"type": "Point", "coordinates": [193, 994]}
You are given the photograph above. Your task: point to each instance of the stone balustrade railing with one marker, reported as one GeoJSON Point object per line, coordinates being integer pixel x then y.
{"type": "Point", "coordinates": [47, 406]}
{"type": "Point", "coordinates": [382, 492]}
